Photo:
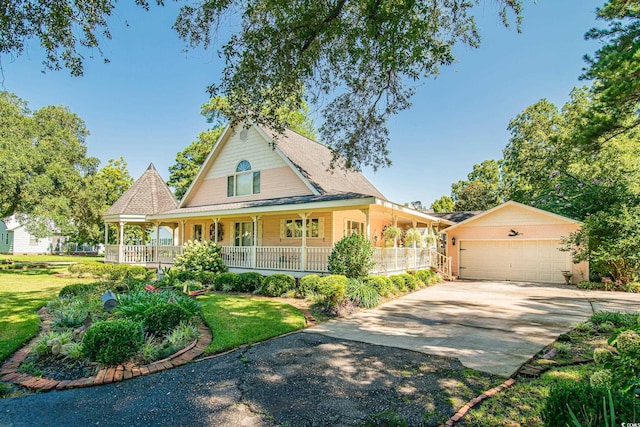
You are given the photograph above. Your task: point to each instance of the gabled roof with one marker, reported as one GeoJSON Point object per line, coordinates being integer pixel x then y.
{"type": "Point", "coordinates": [149, 195]}
{"type": "Point", "coordinates": [512, 203]}
{"type": "Point", "coordinates": [313, 159]}
{"type": "Point", "coordinates": [310, 160]}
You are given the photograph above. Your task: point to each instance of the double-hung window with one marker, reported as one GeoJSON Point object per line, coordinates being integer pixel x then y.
{"type": "Point", "coordinates": [244, 182]}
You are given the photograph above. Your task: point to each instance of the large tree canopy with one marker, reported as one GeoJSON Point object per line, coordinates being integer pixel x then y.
{"type": "Point", "coordinates": [357, 59]}
{"type": "Point", "coordinates": [481, 190]}
{"type": "Point", "coordinates": [48, 181]}
{"type": "Point", "coordinates": [43, 163]}
{"type": "Point", "coordinates": [615, 69]}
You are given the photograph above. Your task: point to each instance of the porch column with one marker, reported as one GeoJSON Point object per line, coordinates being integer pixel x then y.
{"type": "Point", "coordinates": [367, 223]}
{"type": "Point", "coordinates": [120, 241]}
{"type": "Point", "coordinates": [156, 257]}
{"type": "Point", "coordinates": [106, 235]}
{"type": "Point", "coordinates": [184, 224]}
{"type": "Point", "coordinates": [216, 221]}
{"type": "Point", "coordinates": [255, 240]}
{"type": "Point", "coordinates": [303, 249]}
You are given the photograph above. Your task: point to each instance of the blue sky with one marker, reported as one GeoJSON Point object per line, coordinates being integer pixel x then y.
{"type": "Point", "coordinates": [145, 104]}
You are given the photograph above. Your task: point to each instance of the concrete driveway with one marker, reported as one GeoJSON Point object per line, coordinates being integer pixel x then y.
{"type": "Point", "coordinates": [493, 327]}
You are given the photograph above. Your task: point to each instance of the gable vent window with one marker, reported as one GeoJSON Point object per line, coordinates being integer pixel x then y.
{"type": "Point", "coordinates": [244, 181]}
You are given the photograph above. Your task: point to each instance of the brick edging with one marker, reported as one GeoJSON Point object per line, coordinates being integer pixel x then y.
{"type": "Point", "coordinates": [473, 402]}
{"type": "Point", "coordinates": [107, 374]}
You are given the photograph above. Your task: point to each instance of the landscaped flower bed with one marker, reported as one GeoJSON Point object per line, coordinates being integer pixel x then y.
{"type": "Point", "coordinates": [81, 336]}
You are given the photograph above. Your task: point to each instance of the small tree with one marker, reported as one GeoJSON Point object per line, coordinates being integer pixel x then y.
{"type": "Point", "coordinates": [610, 241]}
{"type": "Point", "coordinates": [352, 257]}
{"type": "Point", "coordinates": [200, 256]}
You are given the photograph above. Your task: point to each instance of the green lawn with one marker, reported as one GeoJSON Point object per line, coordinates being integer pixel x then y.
{"type": "Point", "coordinates": [51, 258]}
{"type": "Point", "coordinates": [22, 293]}
{"type": "Point", "coordinates": [236, 320]}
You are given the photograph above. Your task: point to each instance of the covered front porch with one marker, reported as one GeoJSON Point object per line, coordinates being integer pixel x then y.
{"type": "Point", "coordinates": [297, 261]}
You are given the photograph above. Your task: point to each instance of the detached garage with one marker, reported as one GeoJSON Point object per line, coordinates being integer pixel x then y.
{"type": "Point", "coordinates": [513, 242]}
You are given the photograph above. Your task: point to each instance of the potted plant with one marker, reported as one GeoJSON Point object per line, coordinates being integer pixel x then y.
{"type": "Point", "coordinates": [391, 234]}
{"type": "Point", "coordinates": [567, 276]}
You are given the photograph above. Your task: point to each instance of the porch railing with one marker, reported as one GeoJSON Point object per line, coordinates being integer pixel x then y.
{"type": "Point", "coordinates": [311, 259]}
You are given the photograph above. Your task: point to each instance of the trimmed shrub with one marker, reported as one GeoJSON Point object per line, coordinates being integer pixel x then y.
{"type": "Point", "coordinates": [382, 284]}
{"type": "Point", "coordinates": [78, 289]}
{"type": "Point", "coordinates": [163, 317]}
{"type": "Point", "coordinates": [200, 256]}
{"type": "Point", "coordinates": [586, 402]}
{"type": "Point", "coordinates": [111, 271]}
{"type": "Point", "coordinates": [249, 281]}
{"type": "Point", "coordinates": [309, 285]}
{"type": "Point", "coordinates": [352, 256]}
{"type": "Point", "coordinates": [332, 291]}
{"type": "Point", "coordinates": [207, 278]}
{"type": "Point", "coordinates": [227, 282]}
{"type": "Point", "coordinates": [427, 277]}
{"type": "Point", "coordinates": [112, 342]}
{"type": "Point", "coordinates": [399, 283]}
{"type": "Point", "coordinates": [362, 294]}
{"type": "Point", "coordinates": [410, 281]}
{"type": "Point", "coordinates": [277, 284]}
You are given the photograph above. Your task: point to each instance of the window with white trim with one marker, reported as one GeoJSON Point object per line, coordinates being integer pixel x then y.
{"type": "Point", "coordinates": [292, 228]}
{"type": "Point", "coordinates": [33, 241]}
{"type": "Point", "coordinates": [244, 182]}
{"type": "Point", "coordinates": [197, 232]}
{"type": "Point", "coordinates": [351, 227]}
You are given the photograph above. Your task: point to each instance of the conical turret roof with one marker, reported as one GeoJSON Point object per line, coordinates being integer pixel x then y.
{"type": "Point", "coordinates": [149, 195]}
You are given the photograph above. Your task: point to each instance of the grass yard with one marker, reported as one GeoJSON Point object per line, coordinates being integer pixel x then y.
{"type": "Point", "coordinates": [51, 258]}
{"type": "Point", "coordinates": [236, 320]}
{"type": "Point", "coordinates": [22, 293]}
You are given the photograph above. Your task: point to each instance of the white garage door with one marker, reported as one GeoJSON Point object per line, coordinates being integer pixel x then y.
{"type": "Point", "coordinates": [515, 260]}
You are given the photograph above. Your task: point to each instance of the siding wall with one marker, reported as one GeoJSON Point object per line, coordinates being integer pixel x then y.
{"type": "Point", "coordinates": [496, 226]}
{"type": "Point", "coordinates": [22, 243]}
{"type": "Point", "coordinates": [277, 178]}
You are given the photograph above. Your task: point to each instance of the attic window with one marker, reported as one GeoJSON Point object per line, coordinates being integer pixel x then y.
{"type": "Point", "coordinates": [244, 181]}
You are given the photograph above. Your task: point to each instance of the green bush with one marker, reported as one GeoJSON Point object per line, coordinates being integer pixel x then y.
{"type": "Point", "coordinates": [410, 281]}
{"type": "Point", "coordinates": [352, 256]}
{"type": "Point", "coordinates": [134, 305]}
{"type": "Point", "coordinates": [111, 271]}
{"type": "Point", "coordinates": [617, 318]}
{"type": "Point", "coordinates": [200, 256]}
{"type": "Point", "coordinates": [362, 294]}
{"type": "Point", "coordinates": [428, 277]}
{"type": "Point", "coordinates": [382, 284]}
{"type": "Point", "coordinates": [78, 289]}
{"type": "Point", "coordinates": [332, 291]}
{"type": "Point", "coordinates": [249, 281]}
{"type": "Point", "coordinates": [399, 283]}
{"type": "Point", "coordinates": [309, 285]}
{"type": "Point", "coordinates": [207, 278]}
{"type": "Point", "coordinates": [163, 317]}
{"type": "Point", "coordinates": [227, 282]}
{"type": "Point", "coordinates": [586, 402]}
{"type": "Point", "coordinates": [277, 284]}
{"type": "Point", "coordinates": [112, 342]}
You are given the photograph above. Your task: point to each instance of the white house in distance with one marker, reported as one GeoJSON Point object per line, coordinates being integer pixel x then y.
{"type": "Point", "coordinates": [15, 239]}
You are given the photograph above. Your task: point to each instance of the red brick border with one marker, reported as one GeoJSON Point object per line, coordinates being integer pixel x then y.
{"type": "Point", "coordinates": [473, 402]}
{"type": "Point", "coordinates": [107, 374]}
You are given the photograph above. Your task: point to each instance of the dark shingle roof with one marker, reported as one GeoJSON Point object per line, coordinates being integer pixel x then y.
{"type": "Point", "coordinates": [456, 216]}
{"type": "Point", "coordinates": [147, 196]}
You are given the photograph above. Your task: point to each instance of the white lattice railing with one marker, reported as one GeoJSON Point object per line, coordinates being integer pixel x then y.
{"type": "Point", "coordinates": [286, 258]}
